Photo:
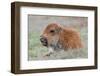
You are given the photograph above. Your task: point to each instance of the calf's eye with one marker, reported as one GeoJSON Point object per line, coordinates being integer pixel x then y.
{"type": "Point", "coordinates": [52, 31]}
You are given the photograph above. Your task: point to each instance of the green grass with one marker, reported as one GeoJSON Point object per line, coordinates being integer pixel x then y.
{"type": "Point", "coordinates": [37, 51]}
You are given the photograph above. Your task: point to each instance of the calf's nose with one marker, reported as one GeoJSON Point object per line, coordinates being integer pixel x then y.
{"type": "Point", "coordinates": [42, 39]}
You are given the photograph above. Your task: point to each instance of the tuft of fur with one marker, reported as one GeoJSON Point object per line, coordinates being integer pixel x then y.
{"type": "Point", "coordinates": [70, 38]}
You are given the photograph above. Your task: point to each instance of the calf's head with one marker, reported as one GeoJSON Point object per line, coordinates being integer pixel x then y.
{"type": "Point", "coordinates": [50, 35]}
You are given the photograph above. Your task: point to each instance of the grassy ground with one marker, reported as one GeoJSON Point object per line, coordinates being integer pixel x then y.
{"type": "Point", "coordinates": [37, 51]}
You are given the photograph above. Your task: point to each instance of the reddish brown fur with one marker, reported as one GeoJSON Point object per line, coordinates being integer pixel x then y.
{"type": "Point", "coordinates": [70, 38]}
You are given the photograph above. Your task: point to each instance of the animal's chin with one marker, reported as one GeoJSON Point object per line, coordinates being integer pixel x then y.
{"type": "Point", "coordinates": [44, 43]}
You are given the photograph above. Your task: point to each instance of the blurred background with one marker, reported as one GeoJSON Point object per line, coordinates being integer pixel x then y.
{"type": "Point", "coordinates": [37, 23]}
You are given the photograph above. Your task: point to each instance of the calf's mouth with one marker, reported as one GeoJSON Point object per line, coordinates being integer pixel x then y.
{"type": "Point", "coordinates": [44, 41]}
